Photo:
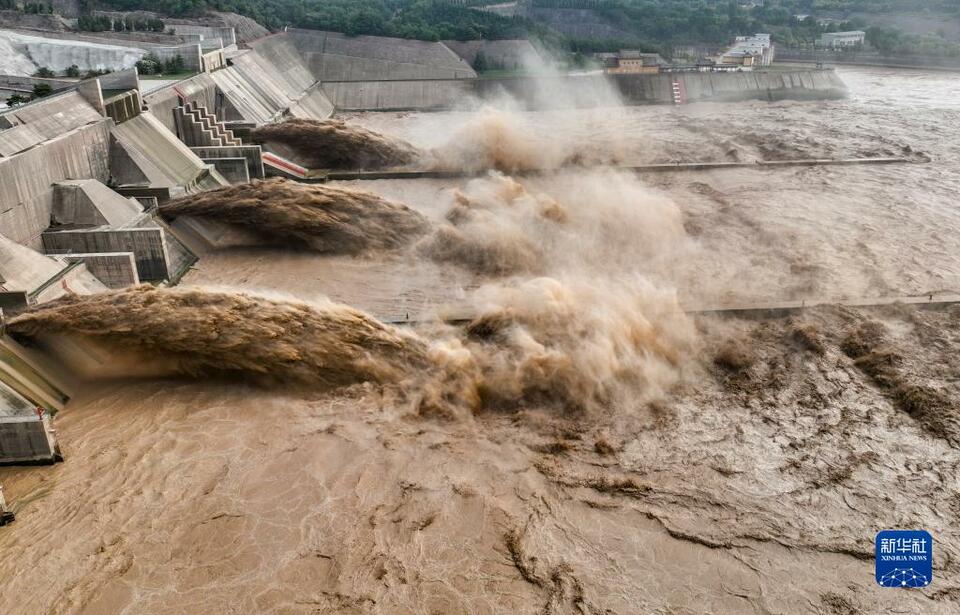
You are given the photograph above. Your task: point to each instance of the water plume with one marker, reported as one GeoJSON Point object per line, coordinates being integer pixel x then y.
{"type": "Point", "coordinates": [503, 138]}
{"type": "Point", "coordinates": [574, 346]}
{"type": "Point", "coordinates": [599, 220]}
{"type": "Point", "coordinates": [334, 144]}
{"type": "Point", "coordinates": [323, 218]}
{"type": "Point", "coordinates": [205, 333]}
{"type": "Point", "coordinates": [488, 231]}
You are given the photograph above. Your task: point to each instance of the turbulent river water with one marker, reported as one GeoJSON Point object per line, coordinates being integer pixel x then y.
{"type": "Point", "coordinates": [582, 446]}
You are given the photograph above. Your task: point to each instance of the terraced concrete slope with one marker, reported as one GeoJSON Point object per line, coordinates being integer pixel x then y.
{"type": "Point", "coordinates": [23, 269]}
{"type": "Point", "coordinates": [52, 140]}
{"type": "Point", "coordinates": [155, 154]}
{"type": "Point", "coordinates": [270, 80]}
{"type": "Point", "coordinates": [332, 56]}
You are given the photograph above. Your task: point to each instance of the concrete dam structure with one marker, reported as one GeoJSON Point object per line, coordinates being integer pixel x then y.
{"type": "Point", "coordinates": [84, 171]}
{"type": "Point", "coordinates": [579, 90]}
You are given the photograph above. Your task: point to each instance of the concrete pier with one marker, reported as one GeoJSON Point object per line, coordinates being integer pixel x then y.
{"type": "Point", "coordinates": [6, 515]}
{"type": "Point", "coordinates": [755, 311]}
{"type": "Point", "coordinates": [319, 176]}
{"type": "Point", "coordinates": [28, 440]}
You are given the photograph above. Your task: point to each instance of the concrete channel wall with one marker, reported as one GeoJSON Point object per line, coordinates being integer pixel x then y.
{"type": "Point", "coordinates": [26, 181]}
{"type": "Point", "coordinates": [148, 246]}
{"type": "Point", "coordinates": [114, 269]}
{"type": "Point", "coordinates": [27, 440]}
{"type": "Point", "coordinates": [251, 154]}
{"type": "Point", "coordinates": [589, 90]}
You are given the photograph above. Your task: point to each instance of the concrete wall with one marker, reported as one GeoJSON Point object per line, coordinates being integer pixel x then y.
{"type": "Point", "coordinates": [250, 153]}
{"type": "Point", "coordinates": [864, 58]}
{"type": "Point", "coordinates": [120, 80]}
{"type": "Point", "coordinates": [59, 54]}
{"type": "Point", "coordinates": [87, 202]}
{"type": "Point", "coordinates": [150, 150]}
{"type": "Point", "coordinates": [74, 278]}
{"type": "Point", "coordinates": [26, 439]}
{"type": "Point", "coordinates": [510, 54]}
{"type": "Point", "coordinates": [586, 91]}
{"type": "Point", "coordinates": [269, 81]}
{"type": "Point", "coordinates": [13, 403]}
{"type": "Point", "coordinates": [769, 85]}
{"type": "Point", "coordinates": [147, 245]}
{"type": "Point", "coordinates": [331, 56]}
{"type": "Point", "coordinates": [122, 107]}
{"type": "Point", "coordinates": [21, 83]}
{"type": "Point", "coordinates": [224, 33]}
{"type": "Point", "coordinates": [114, 269]}
{"type": "Point", "coordinates": [190, 52]}
{"type": "Point", "coordinates": [26, 180]}
{"type": "Point", "coordinates": [201, 89]}
{"type": "Point", "coordinates": [390, 95]}
{"type": "Point", "coordinates": [213, 60]}
{"type": "Point", "coordinates": [234, 170]}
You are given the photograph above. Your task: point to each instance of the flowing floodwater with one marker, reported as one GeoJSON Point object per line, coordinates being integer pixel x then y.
{"type": "Point", "coordinates": [578, 444]}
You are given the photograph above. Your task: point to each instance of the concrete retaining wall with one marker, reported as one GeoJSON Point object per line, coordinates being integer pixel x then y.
{"type": "Point", "coordinates": [191, 53]}
{"type": "Point", "coordinates": [114, 269]}
{"type": "Point", "coordinates": [21, 83]}
{"type": "Point", "coordinates": [234, 170]}
{"type": "Point", "coordinates": [200, 89]}
{"type": "Point", "coordinates": [250, 153]}
{"type": "Point", "coordinates": [147, 149]}
{"type": "Point", "coordinates": [586, 91]}
{"type": "Point", "coordinates": [864, 58]}
{"type": "Point", "coordinates": [331, 56]}
{"type": "Point", "coordinates": [390, 95]}
{"type": "Point", "coordinates": [224, 33]}
{"type": "Point", "coordinates": [74, 278]}
{"type": "Point", "coordinates": [13, 403]}
{"type": "Point", "coordinates": [26, 439]}
{"type": "Point", "coordinates": [267, 82]}
{"type": "Point", "coordinates": [26, 181]}
{"type": "Point", "coordinates": [148, 246]}
{"type": "Point", "coordinates": [58, 54]}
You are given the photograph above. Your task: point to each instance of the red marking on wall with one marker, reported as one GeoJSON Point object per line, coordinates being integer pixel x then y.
{"type": "Point", "coordinates": [286, 164]}
{"type": "Point", "coordinates": [679, 92]}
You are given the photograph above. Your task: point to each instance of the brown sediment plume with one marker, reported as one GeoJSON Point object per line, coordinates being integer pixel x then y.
{"type": "Point", "coordinates": [540, 342]}
{"type": "Point", "coordinates": [494, 222]}
{"type": "Point", "coordinates": [229, 334]}
{"type": "Point", "coordinates": [324, 218]}
{"type": "Point", "coordinates": [494, 255]}
{"type": "Point", "coordinates": [931, 407]}
{"type": "Point", "coordinates": [334, 144]}
{"type": "Point", "coordinates": [573, 346]}
{"type": "Point", "coordinates": [503, 140]}
{"type": "Point", "coordinates": [498, 140]}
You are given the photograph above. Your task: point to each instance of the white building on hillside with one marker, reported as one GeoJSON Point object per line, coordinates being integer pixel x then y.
{"type": "Point", "coordinates": [833, 40]}
{"type": "Point", "coordinates": [749, 51]}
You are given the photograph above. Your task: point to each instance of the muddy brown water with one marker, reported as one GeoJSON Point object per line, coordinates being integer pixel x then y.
{"type": "Point", "coordinates": [734, 467]}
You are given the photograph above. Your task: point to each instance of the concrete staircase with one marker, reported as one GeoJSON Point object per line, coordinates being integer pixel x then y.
{"type": "Point", "coordinates": [200, 128]}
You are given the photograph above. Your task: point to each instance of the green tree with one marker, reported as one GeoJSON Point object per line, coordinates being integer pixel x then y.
{"type": "Point", "coordinates": [16, 100]}
{"type": "Point", "coordinates": [480, 63]}
{"type": "Point", "coordinates": [149, 65]}
{"type": "Point", "coordinates": [72, 71]}
{"type": "Point", "coordinates": [44, 73]}
{"type": "Point", "coordinates": [42, 89]}
{"type": "Point", "coordinates": [174, 65]}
